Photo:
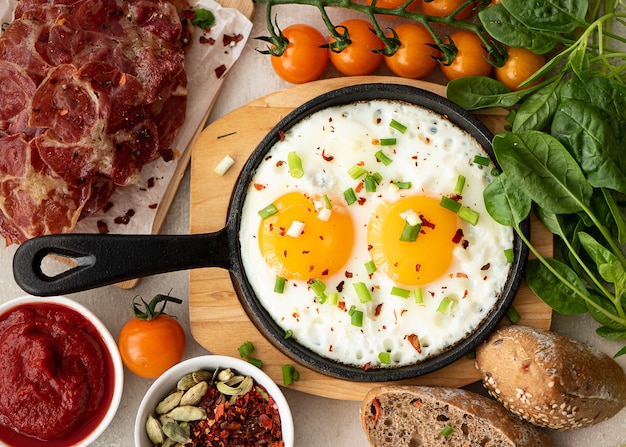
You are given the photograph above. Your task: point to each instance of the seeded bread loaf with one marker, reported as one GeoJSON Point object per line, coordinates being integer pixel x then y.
{"type": "Point", "coordinates": [412, 416]}
{"type": "Point", "coordinates": [549, 379]}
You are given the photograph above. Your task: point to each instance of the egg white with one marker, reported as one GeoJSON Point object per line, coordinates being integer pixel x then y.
{"type": "Point", "coordinates": [431, 154]}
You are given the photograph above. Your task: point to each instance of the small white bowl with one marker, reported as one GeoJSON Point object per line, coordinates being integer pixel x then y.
{"type": "Point", "coordinates": [107, 414]}
{"type": "Point", "coordinates": [167, 381]}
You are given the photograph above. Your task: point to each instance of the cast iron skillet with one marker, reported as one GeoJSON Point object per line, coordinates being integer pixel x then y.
{"type": "Point", "coordinates": [108, 259]}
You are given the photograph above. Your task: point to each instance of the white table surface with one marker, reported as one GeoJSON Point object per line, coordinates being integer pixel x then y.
{"type": "Point", "coordinates": [319, 422]}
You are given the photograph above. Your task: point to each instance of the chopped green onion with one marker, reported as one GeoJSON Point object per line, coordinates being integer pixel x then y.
{"type": "Point", "coordinates": [370, 267]}
{"type": "Point", "coordinates": [460, 184]}
{"type": "Point", "coordinates": [256, 362]}
{"type": "Point", "coordinates": [398, 126]}
{"type": "Point", "coordinates": [513, 315]}
{"type": "Point", "coordinates": [471, 355]}
{"type": "Point", "coordinates": [450, 204]}
{"type": "Point", "coordinates": [382, 157]}
{"type": "Point", "coordinates": [495, 172]}
{"type": "Point", "coordinates": [290, 374]}
{"type": "Point", "coordinates": [317, 286]}
{"type": "Point", "coordinates": [468, 215]}
{"type": "Point", "coordinates": [480, 160]}
{"type": "Point", "coordinates": [509, 254]}
{"type": "Point", "coordinates": [384, 357]}
{"type": "Point", "coordinates": [320, 298]}
{"type": "Point", "coordinates": [419, 295]}
{"type": "Point", "coordinates": [410, 232]}
{"type": "Point", "coordinates": [224, 165]}
{"type": "Point", "coordinates": [446, 305]}
{"type": "Point", "coordinates": [268, 211]}
{"type": "Point", "coordinates": [327, 201]}
{"type": "Point", "coordinates": [356, 171]}
{"type": "Point", "coordinates": [295, 165]}
{"type": "Point", "coordinates": [279, 284]}
{"type": "Point", "coordinates": [447, 431]}
{"type": "Point", "coordinates": [351, 310]}
{"type": "Point", "coordinates": [288, 334]}
{"type": "Point", "coordinates": [387, 141]}
{"type": "Point", "coordinates": [399, 291]}
{"type": "Point", "coordinates": [377, 177]}
{"type": "Point", "coordinates": [245, 349]}
{"type": "Point", "coordinates": [370, 183]}
{"type": "Point", "coordinates": [203, 18]}
{"type": "Point", "coordinates": [402, 185]}
{"type": "Point", "coordinates": [350, 196]}
{"type": "Point", "coordinates": [356, 318]}
{"type": "Point", "coordinates": [332, 298]}
{"type": "Point", "coordinates": [362, 292]}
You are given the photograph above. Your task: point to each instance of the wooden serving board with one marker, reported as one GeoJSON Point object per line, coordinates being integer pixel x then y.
{"type": "Point", "coordinates": [218, 321]}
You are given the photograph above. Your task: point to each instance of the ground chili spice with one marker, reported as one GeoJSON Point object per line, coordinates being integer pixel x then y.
{"type": "Point", "coordinates": [250, 420]}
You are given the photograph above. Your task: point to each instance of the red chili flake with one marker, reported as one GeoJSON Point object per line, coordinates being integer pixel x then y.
{"type": "Point", "coordinates": [418, 267]}
{"type": "Point", "coordinates": [369, 247]}
{"type": "Point", "coordinates": [366, 366]}
{"type": "Point", "coordinates": [349, 274]}
{"type": "Point", "coordinates": [526, 364]}
{"type": "Point", "coordinates": [281, 135]}
{"type": "Point", "coordinates": [359, 187]}
{"type": "Point", "coordinates": [465, 243]}
{"type": "Point", "coordinates": [125, 219]}
{"type": "Point", "coordinates": [102, 227]}
{"type": "Point", "coordinates": [325, 272]}
{"type": "Point", "coordinates": [487, 266]}
{"type": "Point", "coordinates": [378, 309]}
{"type": "Point", "coordinates": [426, 223]}
{"type": "Point", "coordinates": [219, 71]}
{"type": "Point", "coordinates": [259, 187]}
{"type": "Point", "coordinates": [461, 275]}
{"type": "Point", "coordinates": [206, 40]}
{"type": "Point", "coordinates": [153, 206]}
{"type": "Point", "coordinates": [340, 286]}
{"type": "Point", "coordinates": [361, 200]}
{"type": "Point", "coordinates": [231, 40]}
{"type": "Point", "coordinates": [465, 293]}
{"type": "Point", "coordinates": [167, 154]}
{"type": "Point", "coordinates": [414, 340]}
{"type": "Point", "coordinates": [376, 409]}
{"type": "Point", "coordinates": [107, 207]}
{"type": "Point", "coordinates": [251, 419]}
{"type": "Point", "coordinates": [341, 305]}
{"type": "Point", "coordinates": [327, 157]}
{"type": "Point", "coordinates": [150, 183]}
{"type": "Point", "coordinates": [458, 236]}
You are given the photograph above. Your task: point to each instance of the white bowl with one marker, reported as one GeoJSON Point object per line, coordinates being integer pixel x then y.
{"type": "Point", "coordinates": [167, 381]}
{"type": "Point", "coordinates": [107, 414]}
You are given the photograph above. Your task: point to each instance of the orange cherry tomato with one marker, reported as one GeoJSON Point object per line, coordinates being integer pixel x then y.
{"type": "Point", "coordinates": [152, 341]}
{"type": "Point", "coordinates": [392, 4]}
{"type": "Point", "coordinates": [471, 58]}
{"type": "Point", "coordinates": [443, 8]}
{"type": "Point", "coordinates": [359, 58]}
{"type": "Point", "coordinates": [519, 66]}
{"type": "Point", "coordinates": [413, 59]}
{"type": "Point", "coordinates": [303, 60]}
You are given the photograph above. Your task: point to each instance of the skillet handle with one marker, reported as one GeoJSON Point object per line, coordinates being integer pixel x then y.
{"type": "Point", "coordinates": [107, 259]}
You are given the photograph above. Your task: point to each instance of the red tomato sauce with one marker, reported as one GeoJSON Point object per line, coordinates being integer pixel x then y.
{"type": "Point", "coordinates": [56, 378]}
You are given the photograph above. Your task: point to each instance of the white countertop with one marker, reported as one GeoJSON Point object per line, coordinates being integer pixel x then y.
{"type": "Point", "coordinates": [319, 422]}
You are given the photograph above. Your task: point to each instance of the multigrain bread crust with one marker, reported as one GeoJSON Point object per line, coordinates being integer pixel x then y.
{"type": "Point", "coordinates": [549, 379]}
{"type": "Point", "coordinates": [416, 416]}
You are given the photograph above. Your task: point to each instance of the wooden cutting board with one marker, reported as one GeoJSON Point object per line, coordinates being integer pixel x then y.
{"type": "Point", "coordinates": [218, 321]}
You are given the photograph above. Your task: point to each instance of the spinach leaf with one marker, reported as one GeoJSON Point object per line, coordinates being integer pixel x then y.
{"type": "Point", "coordinates": [613, 334]}
{"type": "Point", "coordinates": [601, 315]}
{"type": "Point", "coordinates": [505, 28]}
{"type": "Point", "coordinates": [541, 167]}
{"type": "Point", "coordinates": [585, 130]}
{"type": "Point", "coordinates": [537, 110]}
{"type": "Point", "coordinates": [480, 92]}
{"type": "Point", "coordinates": [610, 268]}
{"type": "Point", "coordinates": [552, 290]}
{"type": "Point", "coordinates": [549, 15]}
{"type": "Point", "coordinates": [506, 204]}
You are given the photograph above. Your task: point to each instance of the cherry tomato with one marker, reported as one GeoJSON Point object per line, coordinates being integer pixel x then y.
{"type": "Point", "coordinates": [152, 341]}
{"type": "Point", "coordinates": [303, 60]}
{"type": "Point", "coordinates": [392, 4]}
{"type": "Point", "coordinates": [413, 59]}
{"type": "Point", "coordinates": [519, 66]}
{"type": "Point", "coordinates": [358, 58]}
{"type": "Point", "coordinates": [443, 8]}
{"type": "Point", "coordinates": [471, 59]}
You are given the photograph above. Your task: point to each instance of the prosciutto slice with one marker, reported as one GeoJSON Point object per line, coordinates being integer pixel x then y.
{"type": "Point", "coordinates": [90, 91]}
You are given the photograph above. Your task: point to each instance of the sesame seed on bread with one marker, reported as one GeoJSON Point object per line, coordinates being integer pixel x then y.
{"type": "Point", "coordinates": [420, 416]}
{"type": "Point", "coordinates": [549, 379]}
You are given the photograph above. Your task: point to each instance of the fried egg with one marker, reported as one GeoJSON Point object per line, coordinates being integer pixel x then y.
{"type": "Point", "coordinates": [364, 234]}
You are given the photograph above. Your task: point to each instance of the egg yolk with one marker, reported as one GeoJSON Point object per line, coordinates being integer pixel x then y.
{"type": "Point", "coordinates": [418, 262]}
{"type": "Point", "coordinates": [321, 246]}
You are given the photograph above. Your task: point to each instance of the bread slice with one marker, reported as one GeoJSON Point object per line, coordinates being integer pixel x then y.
{"type": "Point", "coordinates": [420, 416]}
{"type": "Point", "coordinates": [549, 379]}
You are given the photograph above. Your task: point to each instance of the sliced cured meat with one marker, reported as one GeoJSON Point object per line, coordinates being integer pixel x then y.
{"type": "Point", "coordinates": [90, 91]}
{"type": "Point", "coordinates": [33, 200]}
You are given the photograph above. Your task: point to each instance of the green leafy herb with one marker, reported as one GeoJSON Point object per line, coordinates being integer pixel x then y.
{"type": "Point", "coordinates": [203, 18]}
